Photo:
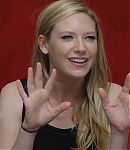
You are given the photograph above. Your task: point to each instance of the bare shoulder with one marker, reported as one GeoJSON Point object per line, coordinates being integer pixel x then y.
{"type": "Point", "coordinates": [10, 114]}
{"type": "Point", "coordinates": [10, 96]}
{"type": "Point", "coordinates": [114, 90]}
{"type": "Point", "coordinates": [10, 102]}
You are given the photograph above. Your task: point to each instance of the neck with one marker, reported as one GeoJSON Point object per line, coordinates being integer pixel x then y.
{"type": "Point", "coordinates": [66, 89]}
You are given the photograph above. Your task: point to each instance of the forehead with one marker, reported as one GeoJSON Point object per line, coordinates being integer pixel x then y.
{"type": "Point", "coordinates": [78, 21]}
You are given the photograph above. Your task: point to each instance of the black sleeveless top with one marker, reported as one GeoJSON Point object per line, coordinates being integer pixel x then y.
{"type": "Point", "coordinates": [52, 138]}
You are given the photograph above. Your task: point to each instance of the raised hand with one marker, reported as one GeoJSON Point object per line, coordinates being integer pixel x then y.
{"type": "Point", "coordinates": [118, 111]}
{"type": "Point", "coordinates": [38, 108]}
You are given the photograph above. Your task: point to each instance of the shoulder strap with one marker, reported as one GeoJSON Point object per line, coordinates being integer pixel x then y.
{"type": "Point", "coordinates": [24, 83]}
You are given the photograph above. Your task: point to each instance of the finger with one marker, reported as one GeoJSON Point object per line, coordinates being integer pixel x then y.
{"type": "Point", "coordinates": [49, 85]}
{"type": "Point", "coordinates": [38, 77]}
{"type": "Point", "coordinates": [21, 90]}
{"type": "Point", "coordinates": [62, 107]}
{"type": "Point", "coordinates": [104, 98]}
{"type": "Point", "coordinates": [126, 87]}
{"type": "Point", "coordinates": [129, 109]}
{"type": "Point", "coordinates": [30, 81]}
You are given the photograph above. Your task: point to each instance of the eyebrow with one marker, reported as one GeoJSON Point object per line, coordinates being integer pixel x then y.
{"type": "Point", "coordinates": [69, 32]}
{"type": "Point", "coordinates": [91, 32]}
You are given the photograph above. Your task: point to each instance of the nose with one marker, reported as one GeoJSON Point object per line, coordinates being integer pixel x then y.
{"type": "Point", "coordinates": [79, 46]}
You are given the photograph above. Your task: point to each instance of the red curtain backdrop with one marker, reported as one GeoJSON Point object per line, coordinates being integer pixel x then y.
{"type": "Point", "coordinates": [17, 30]}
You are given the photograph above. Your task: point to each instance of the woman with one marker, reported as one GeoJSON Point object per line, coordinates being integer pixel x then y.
{"type": "Point", "coordinates": [68, 101]}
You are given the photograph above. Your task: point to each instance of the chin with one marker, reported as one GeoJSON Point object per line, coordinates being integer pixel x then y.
{"type": "Point", "coordinates": [66, 72]}
{"type": "Point", "coordinates": [77, 74]}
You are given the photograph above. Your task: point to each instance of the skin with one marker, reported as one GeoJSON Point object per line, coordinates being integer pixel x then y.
{"type": "Point", "coordinates": [54, 103]}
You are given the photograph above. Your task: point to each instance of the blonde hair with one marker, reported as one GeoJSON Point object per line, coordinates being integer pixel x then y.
{"type": "Point", "coordinates": [88, 113]}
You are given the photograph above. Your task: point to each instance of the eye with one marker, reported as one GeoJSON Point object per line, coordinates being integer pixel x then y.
{"type": "Point", "coordinates": [90, 37]}
{"type": "Point", "coordinates": [67, 37]}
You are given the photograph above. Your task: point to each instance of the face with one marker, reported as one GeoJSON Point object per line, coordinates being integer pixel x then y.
{"type": "Point", "coordinates": [72, 46]}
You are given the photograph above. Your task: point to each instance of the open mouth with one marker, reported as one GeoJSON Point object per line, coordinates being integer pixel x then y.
{"type": "Point", "coordinates": [78, 60]}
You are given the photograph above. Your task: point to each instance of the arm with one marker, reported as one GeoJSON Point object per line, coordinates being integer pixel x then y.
{"type": "Point", "coordinates": [116, 105]}
{"type": "Point", "coordinates": [38, 110]}
{"type": "Point", "coordinates": [24, 140]}
{"type": "Point", "coordinates": [11, 134]}
{"type": "Point", "coordinates": [10, 115]}
{"type": "Point", "coordinates": [118, 139]}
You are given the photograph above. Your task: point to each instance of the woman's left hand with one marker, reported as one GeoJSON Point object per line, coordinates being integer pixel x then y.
{"type": "Point", "coordinates": [118, 111]}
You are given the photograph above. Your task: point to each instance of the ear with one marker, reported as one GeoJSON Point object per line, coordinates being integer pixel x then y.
{"type": "Point", "coordinates": [42, 44]}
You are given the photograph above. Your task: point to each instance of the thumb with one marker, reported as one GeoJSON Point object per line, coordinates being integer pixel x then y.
{"type": "Point", "coordinates": [60, 108]}
{"type": "Point", "coordinates": [104, 98]}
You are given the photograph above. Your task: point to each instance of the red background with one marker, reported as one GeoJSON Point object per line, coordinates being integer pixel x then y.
{"type": "Point", "coordinates": [17, 28]}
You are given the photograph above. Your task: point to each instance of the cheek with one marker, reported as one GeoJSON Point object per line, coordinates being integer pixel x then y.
{"type": "Point", "coordinates": [94, 49]}
{"type": "Point", "coordinates": [59, 52]}
{"type": "Point", "coordinates": [55, 54]}
{"type": "Point", "coordinates": [95, 52]}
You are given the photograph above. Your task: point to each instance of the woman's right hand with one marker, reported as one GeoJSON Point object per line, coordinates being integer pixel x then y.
{"type": "Point", "coordinates": [38, 110]}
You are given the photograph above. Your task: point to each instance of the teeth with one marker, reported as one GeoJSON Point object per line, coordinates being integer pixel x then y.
{"type": "Point", "coordinates": [81, 60]}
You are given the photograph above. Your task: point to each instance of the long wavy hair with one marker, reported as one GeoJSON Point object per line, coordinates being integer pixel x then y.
{"type": "Point", "coordinates": [93, 127]}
